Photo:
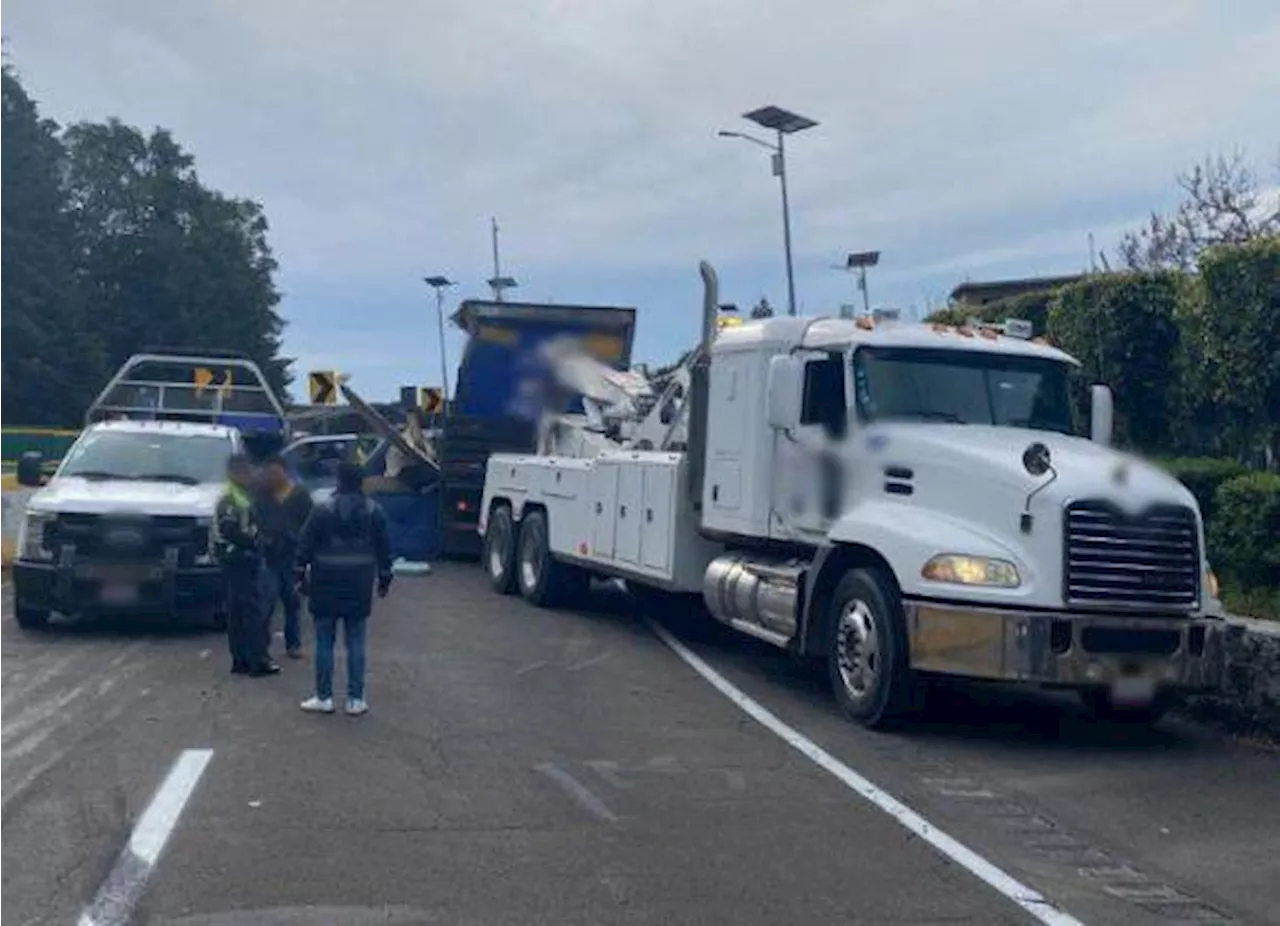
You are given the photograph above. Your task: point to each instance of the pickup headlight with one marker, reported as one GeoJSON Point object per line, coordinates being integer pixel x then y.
{"type": "Point", "coordinates": [205, 556]}
{"type": "Point", "coordinates": [1214, 588]}
{"type": "Point", "coordinates": [960, 569]}
{"type": "Point", "coordinates": [31, 536]}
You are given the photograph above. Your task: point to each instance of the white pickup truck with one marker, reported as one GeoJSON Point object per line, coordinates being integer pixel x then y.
{"type": "Point", "coordinates": [123, 525]}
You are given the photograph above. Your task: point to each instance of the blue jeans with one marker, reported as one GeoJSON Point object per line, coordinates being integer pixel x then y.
{"type": "Point", "coordinates": [326, 637]}
{"type": "Point", "coordinates": [282, 585]}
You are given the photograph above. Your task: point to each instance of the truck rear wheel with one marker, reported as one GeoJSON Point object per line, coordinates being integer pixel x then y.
{"type": "Point", "coordinates": [867, 648]}
{"type": "Point", "coordinates": [541, 579]}
{"type": "Point", "coordinates": [500, 551]}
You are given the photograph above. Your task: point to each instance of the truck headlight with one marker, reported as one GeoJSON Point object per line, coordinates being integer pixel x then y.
{"type": "Point", "coordinates": [1211, 581]}
{"type": "Point", "coordinates": [31, 536]}
{"type": "Point", "coordinates": [960, 569]}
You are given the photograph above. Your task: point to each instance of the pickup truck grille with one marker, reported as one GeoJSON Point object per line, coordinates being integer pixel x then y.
{"type": "Point", "coordinates": [128, 538]}
{"type": "Point", "coordinates": [1148, 561]}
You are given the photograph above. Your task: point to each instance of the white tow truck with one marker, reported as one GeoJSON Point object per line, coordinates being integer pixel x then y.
{"type": "Point", "coordinates": [123, 526]}
{"type": "Point", "coordinates": [899, 499]}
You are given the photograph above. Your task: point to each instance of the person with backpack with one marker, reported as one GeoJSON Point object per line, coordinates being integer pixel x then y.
{"type": "Point", "coordinates": [345, 549]}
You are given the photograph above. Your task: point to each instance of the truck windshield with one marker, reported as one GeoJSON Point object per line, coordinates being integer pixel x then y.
{"type": "Point", "coordinates": [962, 387]}
{"type": "Point", "coordinates": [185, 458]}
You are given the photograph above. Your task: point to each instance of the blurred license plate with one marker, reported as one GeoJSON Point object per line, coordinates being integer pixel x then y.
{"type": "Point", "coordinates": [118, 593]}
{"type": "Point", "coordinates": [1134, 690]}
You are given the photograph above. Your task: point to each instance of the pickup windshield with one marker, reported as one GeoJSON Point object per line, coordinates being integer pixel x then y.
{"type": "Point", "coordinates": [962, 387]}
{"type": "Point", "coordinates": [182, 458]}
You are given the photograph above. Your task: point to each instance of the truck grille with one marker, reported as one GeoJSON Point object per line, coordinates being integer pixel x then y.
{"type": "Point", "coordinates": [113, 537]}
{"type": "Point", "coordinates": [1148, 561]}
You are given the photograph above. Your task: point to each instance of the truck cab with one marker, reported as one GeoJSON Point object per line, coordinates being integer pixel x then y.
{"type": "Point", "coordinates": [898, 499]}
{"type": "Point", "coordinates": [123, 525]}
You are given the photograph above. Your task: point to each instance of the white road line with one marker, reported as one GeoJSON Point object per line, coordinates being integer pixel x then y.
{"type": "Point", "coordinates": [116, 898]}
{"type": "Point", "coordinates": [1025, 897]}
{"type": "Point", "coordinates": [577, 790]}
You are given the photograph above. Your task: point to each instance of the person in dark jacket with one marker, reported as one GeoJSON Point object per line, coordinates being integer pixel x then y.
{"type": "Point", "coordinates": [237, 547]}
{"type": "Point", "coordinates": [284, 508]}
{"type": "Point", "coordinates": [345, 549]}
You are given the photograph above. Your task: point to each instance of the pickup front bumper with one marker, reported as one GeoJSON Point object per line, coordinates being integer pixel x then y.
{"type": "Point", "coordinates": [1066, 649]}
{"type": "Point", "coordinates": [91, 587]}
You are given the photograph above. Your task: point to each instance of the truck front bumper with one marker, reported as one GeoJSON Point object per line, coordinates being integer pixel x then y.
{"type": "Point", "coordinates": [144, 589]}
{"type": "Point", "coordinates": [1066, 649]}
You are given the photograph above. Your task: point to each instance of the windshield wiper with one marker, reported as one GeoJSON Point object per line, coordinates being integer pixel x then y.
{"type": "Point", "coordinates": [168, 477]}
{"type": "Point", "coordinates": [931, 415]}
{"type": "Point", "coordinates": [95, 474]}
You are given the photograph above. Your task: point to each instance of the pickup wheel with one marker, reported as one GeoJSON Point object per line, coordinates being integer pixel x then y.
{"type": "Point", "coordinates": [867, 648]}
{"type": "Point", "coordinates": [30, 618]}
{"type": "Point", "coordinates": [539, 577]}
{"type": "Point", "coordinates": [500, 551]}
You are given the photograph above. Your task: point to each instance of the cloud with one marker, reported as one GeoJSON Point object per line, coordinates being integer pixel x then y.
{"type": "Point", "coordinates": [957, 138]}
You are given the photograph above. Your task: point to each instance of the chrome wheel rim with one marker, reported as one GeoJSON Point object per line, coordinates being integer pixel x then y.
{"type": "Point", "coordinates": [858, 650]}
{"type": "Point", "coordinates": [529, 565]}
{"type": "Point", "coordinates": [499, 537]}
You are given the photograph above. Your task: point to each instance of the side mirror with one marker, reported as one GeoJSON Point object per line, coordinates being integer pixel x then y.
{"type": "Point", "coordinates": [786, 380]}
{"type": "Point", "coordinates": [31, 469]}
{"type": "Point", "coordinates": [1101, 415]}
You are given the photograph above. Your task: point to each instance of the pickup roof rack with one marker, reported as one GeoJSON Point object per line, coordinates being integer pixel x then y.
{"type": "Point", "coordinates": [217, 387]}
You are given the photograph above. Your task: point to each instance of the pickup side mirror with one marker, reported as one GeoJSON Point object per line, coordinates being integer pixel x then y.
{"type": "Point", "coordinates": [1101, 415]}
{"type": "Point", "coordinates": [784, 392]}
{"type": "Point", "coordinates": [31, 469]}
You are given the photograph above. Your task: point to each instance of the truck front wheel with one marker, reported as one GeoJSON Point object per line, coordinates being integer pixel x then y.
{"type": "Point", "coordinates": [867, 648]}
{"type": "Point", "coordinates": [500, 551]}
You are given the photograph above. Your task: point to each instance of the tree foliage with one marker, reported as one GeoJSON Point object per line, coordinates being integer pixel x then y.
{"type": "Point", "coordinates": [1122, 329]}
{"type": "Point", "coordinates": [1222, 205]}
{"type": "Point", "coordinates": [113, 244]}
{"type": "Point", "coordinates": [1235, 357]}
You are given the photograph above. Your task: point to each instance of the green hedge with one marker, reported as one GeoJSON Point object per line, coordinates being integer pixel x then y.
{"type": "Point", "coordinates": [1244, 535]}
{"type": "Point", "coordinates": [1203, 476]}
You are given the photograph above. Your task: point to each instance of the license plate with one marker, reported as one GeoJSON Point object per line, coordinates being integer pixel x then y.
{"type": "Point", "coordinates": [118, 593]}
{"type": "Point", "coordinates": [1133, 690]}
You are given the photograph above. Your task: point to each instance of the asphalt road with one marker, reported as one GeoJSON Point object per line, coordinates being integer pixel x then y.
{"type": "Point", "coordinates": [523, 766]}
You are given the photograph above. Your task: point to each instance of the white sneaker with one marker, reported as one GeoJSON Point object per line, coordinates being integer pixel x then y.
{"type": "Point", "coordinates": [357, 706]}
{"type": "Point", "coordinates": [318, 705]}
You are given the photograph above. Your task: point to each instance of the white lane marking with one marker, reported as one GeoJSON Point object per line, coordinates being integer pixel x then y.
{"type": "Point", "coordinates": [577, 790]}
{"type": "Point", "coordinates": [529, 668]}
{"type": "Point", "coordinates": [594, 660]}
{"type": "Point", "coordinates": [116, 898]}
{"type": "Point", "coordinates": [1025, 897]}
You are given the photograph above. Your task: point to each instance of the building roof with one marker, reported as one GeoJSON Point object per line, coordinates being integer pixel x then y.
{"type": "Point", "coordinates": [981, 292]}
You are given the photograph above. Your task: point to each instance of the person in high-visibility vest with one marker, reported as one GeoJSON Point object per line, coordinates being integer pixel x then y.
{"type": "Point", "coordinates": [237, 546]}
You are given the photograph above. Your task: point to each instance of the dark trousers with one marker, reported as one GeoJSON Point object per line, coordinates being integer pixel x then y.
{"type": "Point", "coordinates": [282, 586]}
{"type": "Point", "coordinates": [247, 616]}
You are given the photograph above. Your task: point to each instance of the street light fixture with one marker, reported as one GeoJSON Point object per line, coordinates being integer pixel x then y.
{"type": "Point", "coordinates": [783, 123]}
{"type": "Point", "coordinates": [860, 261]}
{"type": "Point", "coordinates": [440, 284]}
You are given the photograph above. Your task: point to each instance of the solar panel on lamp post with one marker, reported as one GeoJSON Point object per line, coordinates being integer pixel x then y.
{"type": "Point", "coordinates": [783, 123]}
{"type": "Point", "coordinates": [860, 261]}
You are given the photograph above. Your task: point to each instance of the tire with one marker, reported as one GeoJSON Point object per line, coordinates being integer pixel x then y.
{"type": "Point", "coordinates": [500, 551]}
{"type": "Point", "coordinates": [542, 581]}
{"type": "Point", "coordinates": [867, 648]}
{"type": "Point", "coordinates": [30, 618]}
{"type": "Point", "coordinates": [1098, 702]}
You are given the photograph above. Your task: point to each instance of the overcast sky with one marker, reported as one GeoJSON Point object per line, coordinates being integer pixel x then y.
{"type": "Point", "coordinates": [964, 139]}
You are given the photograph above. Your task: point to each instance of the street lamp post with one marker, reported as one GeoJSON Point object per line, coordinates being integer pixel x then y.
{"type": "Point", "coordinates": [784, 123]}
{"type": "Point", "coordinates": [440, 284]}
{"type": "Point", "coordinates": [860, 262]}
